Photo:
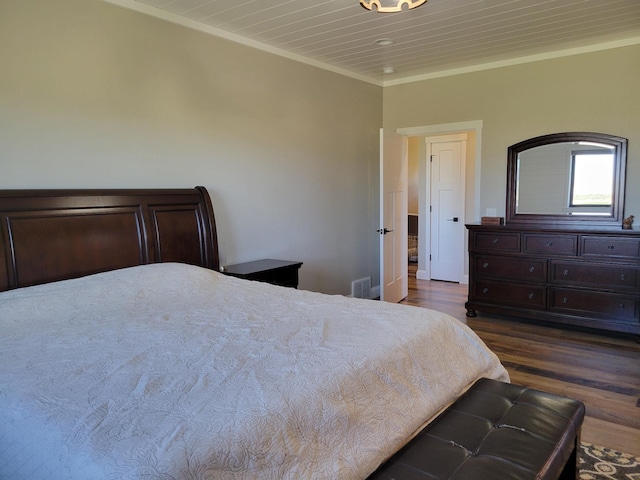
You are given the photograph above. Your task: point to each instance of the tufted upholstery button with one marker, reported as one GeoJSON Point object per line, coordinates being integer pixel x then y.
{"type": "Point", "coordinates": [494, 431]}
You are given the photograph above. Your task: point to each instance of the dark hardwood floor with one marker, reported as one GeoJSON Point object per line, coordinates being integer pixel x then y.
{"type": "Point", "coordinates": [601, 370]}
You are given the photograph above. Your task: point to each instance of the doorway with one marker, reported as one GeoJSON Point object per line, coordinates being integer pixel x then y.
{"type": "Point", "coordinates": [470, 187]}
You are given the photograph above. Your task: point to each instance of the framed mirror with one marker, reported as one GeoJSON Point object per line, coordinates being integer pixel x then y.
{"type": "Point", "coordinates": [567, 179]}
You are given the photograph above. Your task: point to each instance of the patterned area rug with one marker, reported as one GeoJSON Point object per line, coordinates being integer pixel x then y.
{"type": "Point", "coordinates": [601, 463]}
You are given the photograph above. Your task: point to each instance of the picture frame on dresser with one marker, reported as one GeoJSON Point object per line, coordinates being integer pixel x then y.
{"type": "Point", "coordinates": [566, 267]}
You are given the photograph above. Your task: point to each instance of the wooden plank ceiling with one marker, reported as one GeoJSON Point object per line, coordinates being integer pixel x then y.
{"type": "Point", "coordinates": [437, 38]}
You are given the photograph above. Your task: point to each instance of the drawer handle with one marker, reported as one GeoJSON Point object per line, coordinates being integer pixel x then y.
{"type": "Point", "coordinates": [565, 300]}
{"type": "Point", "coordinates": [485, 265]}
{"type": "Point", "coordinates": [485, 290]}
{"type": "Point", "coordinates": [549, 244]}
{"type": "Point", "coordinates": [531, 295]}
{"type": "Point", "coordinates": [496, 240]}
{"type": "Point", "coordinates": [565, 272]}
{"type": "Point", "coordinates": [622, 276]}
{"type": "Point", "coordinates": [611, 247]}
{"type": "Point", "coordinates": [622, 306]}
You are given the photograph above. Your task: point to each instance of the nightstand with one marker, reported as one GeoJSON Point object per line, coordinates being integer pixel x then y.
{"type": "Point", "coordinates": [276, 272]}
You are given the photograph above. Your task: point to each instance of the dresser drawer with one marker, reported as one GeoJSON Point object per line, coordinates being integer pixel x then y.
{"type": "Point", "coordinates": [593, 245]}
{"type": "Point", "coordinates": [551, 244]}
{"type": "Point", "coordinates": [593, 274]}
{"type": "Point", "coordinates": [590, 303]}
{"type": "Point", "coordinates": [508, 293]}
{"type": "Point", "coordinates": [582, 276]}
{"type": "Point", "coordinates": [511, 268]}
{"type": "Point", "coordinates": [496, 241]}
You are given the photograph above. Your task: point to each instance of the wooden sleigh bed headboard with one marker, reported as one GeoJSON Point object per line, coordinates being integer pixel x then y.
{"type": "Point", "coordinates": [50, 235]}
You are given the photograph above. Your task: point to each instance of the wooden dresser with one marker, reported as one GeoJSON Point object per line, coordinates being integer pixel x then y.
{"type": "Point", "coordinates": [589, 278]}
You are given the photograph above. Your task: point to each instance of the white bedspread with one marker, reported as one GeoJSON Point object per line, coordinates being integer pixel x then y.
{"type": "Point", "coordinates": [169, 371]}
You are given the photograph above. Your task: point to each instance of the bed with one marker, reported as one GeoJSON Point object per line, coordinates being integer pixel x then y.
{"type": "Point", "coordinates": [126, 354]}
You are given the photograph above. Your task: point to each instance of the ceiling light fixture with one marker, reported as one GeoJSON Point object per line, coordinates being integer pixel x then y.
{"type": "Point", "coordinates": [390, 6]}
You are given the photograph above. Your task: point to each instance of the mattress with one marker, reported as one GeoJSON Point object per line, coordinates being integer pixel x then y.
{"type": "Point", "coordinates": [170, 371]}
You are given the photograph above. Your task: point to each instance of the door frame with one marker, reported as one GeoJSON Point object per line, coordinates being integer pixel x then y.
{"type": "Point", "coordinates": [473, 198]}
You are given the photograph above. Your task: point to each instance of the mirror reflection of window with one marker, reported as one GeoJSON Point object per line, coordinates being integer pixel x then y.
{"type": "Point", "coordinates": [546, 185]}
{"type": "Point", "coordinates": [566, 178]}
{"type": "Point", "coordinates": [591, 179]}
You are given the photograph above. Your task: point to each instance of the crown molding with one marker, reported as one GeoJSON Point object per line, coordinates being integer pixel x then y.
{"type": "Point", "coordinates": [516, 61]}
{"type": "Point", "coordinates": [194, 25]}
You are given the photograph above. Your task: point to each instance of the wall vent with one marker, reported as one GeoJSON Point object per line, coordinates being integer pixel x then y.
{"type": "Point", "coordinates": [361, 288]}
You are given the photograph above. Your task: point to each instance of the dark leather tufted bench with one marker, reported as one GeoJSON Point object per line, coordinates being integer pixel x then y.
{"type": "Point", "coordinates": [495, 431]}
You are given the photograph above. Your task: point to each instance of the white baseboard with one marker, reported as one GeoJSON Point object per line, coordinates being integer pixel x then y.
{"type": "Point", "coordinates": [375, 292]}
{"type": "Point", "coordinates": [422, 275]}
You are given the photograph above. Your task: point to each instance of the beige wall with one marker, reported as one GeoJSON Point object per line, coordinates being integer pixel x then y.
{"type": "Point", "coordinates": [94, 95]}
{"type": "Point", "coordinates": [595, 92]}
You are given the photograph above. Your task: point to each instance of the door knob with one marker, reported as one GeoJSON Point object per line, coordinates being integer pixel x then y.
{"type": "Point", "coordinates": [383, 231]}
{"type": "Point", "coordinates": [454, 219]}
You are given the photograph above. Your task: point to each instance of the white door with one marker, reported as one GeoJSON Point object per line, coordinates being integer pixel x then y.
{"type": "Point", "coordinates": [447, 210]}
{"type": "Point", "coordinates": [393, 217]}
